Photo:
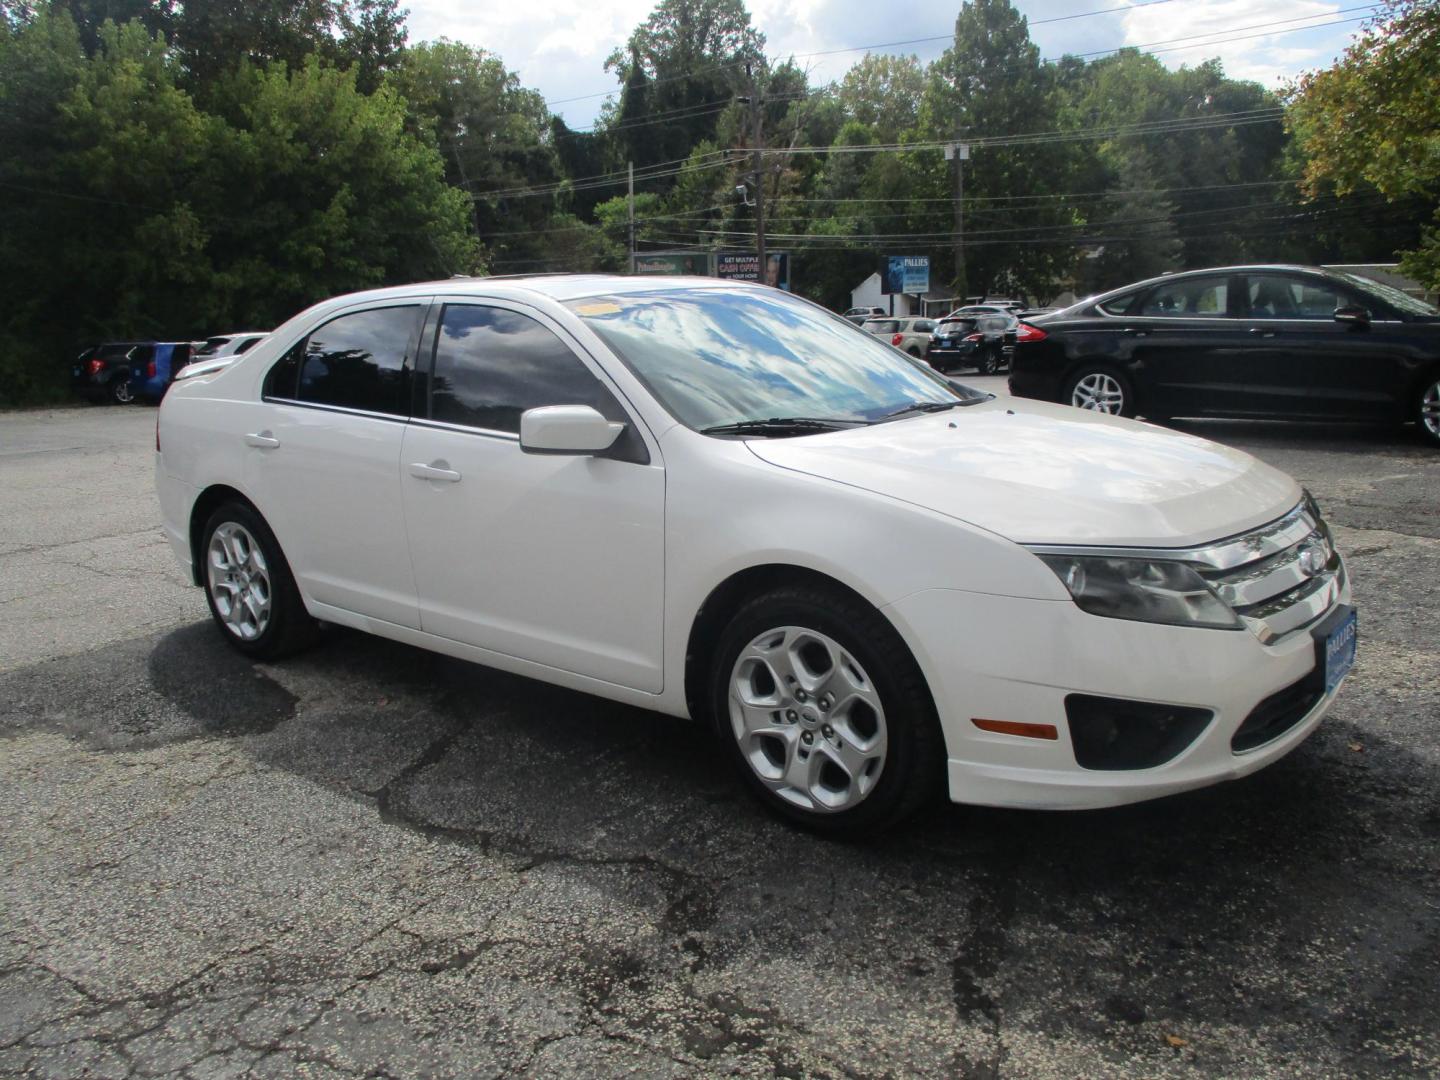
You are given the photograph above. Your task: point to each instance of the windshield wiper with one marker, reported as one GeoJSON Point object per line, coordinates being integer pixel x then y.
{"type": "Point", "coordinates": [780, 425]}
{"type": "Point", "coordinates": [926, 406]}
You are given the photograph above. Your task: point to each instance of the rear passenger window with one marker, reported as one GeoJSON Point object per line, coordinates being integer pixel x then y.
{"type": "Point", "coordinates": [358, 361]}
{"type": "Point", "coordinates": [1204, 297]}
{"type": "Point", "coordinates": [491, 364]}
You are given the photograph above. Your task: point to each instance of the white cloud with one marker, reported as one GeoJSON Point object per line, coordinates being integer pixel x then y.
{"type": "Point", "coordinates": [1268, 41]}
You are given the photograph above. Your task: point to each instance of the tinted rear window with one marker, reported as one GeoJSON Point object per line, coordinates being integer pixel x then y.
{"type": "Point", "coordinates": [358, 361]}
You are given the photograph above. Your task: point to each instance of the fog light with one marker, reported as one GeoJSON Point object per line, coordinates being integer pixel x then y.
{"type": "Point", "coordinates": [1112, 733]}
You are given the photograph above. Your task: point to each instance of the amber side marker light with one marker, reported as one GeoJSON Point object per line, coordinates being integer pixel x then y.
{"type": "Point", "coordinates": [1015, 727]}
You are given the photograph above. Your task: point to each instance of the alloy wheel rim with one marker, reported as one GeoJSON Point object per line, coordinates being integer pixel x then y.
{"type": "Point", "coordinates": [122, 392]}
{"type": "Point", "coordinates": [1099, 392]}
{"type": "Point", "coordinates": [808, 719]}
{"type": "Point", "coordinates": [239, 581]}
{"type": "Point", "coordinates": [1430, 409]}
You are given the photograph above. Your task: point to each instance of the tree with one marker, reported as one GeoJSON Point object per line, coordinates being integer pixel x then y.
{"type": "Point", "coordinates": [693, 56]}
{"type": "Point", "coordinates": [372, 37]}
{"type": "Point", "coordinates": [172, 221]}
{"type": "Point", "coordinates": [493, 136]}
{"type": "Point", "coordinates": [1373, 120]}
{"type": "Point", "coordinates": [991, 82]}
{"type": "Point", "coordinates": [214, 36]}
{"type": "Point", "coordinates": [883, 92]}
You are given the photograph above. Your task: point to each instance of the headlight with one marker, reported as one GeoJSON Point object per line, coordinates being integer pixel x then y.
{"type": "Point", "coordinates": [1146, 590]}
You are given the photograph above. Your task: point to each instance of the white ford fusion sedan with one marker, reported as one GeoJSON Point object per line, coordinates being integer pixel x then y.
{"type": "Point", "coordinates": [720, 501]}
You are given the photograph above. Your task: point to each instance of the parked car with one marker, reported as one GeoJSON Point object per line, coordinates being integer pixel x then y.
{"type": "Point", "coordinates": [910, 334]}
{"type": "Point", "coordinates": [1280, 342]}
{"type": "Point", "coordinates": [104, 372]}
{"type": "Point", "coordinates": [229, 344]}
{"type": "Point", "coordinates": [150, 378]}
{"type": "Point", "coordinates": [985, 342]}
{"type": "Point", "coordinates": [858, 315]}
{"type": "Point", "coordinates": [907, 333]}
{"type": "Point", "coordinates": [714, 499]}
{"type": "Point", "coordinates": [988, 307]}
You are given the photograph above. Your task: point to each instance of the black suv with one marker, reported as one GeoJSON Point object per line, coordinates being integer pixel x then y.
{"type": "Point", "coordinates": [1282, 342]}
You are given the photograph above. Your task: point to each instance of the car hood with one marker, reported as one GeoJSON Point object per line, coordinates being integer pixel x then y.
{"type": "Point", "coordinates": [1049, 474]}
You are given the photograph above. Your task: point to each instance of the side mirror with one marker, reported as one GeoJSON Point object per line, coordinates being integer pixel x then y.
{"type": "Point", "coordinates": [567, 429]}
{"type": "Point", "coordinates": [1353, 316]}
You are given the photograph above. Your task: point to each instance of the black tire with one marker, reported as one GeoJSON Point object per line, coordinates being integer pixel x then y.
{"type": "Point", "coordinates": [989, 363]}
{"type": "Point", "coordinates": [290, 627]}
{"type": "Point", "coordinates": [1427, 402]}
{"type": "Point", "coordinates": [913, 352]}
{"type": "Point", "coordinates": [913, 770]}
{"type": "Point", "coordinates": [120, 392]}
{"type": "Point", "coordinates": [1086, 371]}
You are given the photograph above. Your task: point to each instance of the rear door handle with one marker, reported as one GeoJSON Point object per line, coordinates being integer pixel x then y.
{"type": "Point", "coordinates": [440, 470]}
{"type": "Point", "coordinates": [1131, 331]}
{"type": "Point", "coordinates": [1259, 331]}
{"type": "Point", "coordinates": [262, 439]}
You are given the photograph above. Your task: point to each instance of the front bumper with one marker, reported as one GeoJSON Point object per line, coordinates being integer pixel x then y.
{"type": "Point", "coordinates": [1007, 659]}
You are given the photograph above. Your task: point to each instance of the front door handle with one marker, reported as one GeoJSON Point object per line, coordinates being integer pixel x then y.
{"type": "Point", "coordinates": [1131, 331]}
{"type": "Point", "coordinates": [1260, 331]}
{"type": "Point", "coordinates": [440, 470]}
{"type": "Point", "coordinates": [262, 440]}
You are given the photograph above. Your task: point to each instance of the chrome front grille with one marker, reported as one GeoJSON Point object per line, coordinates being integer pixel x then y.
{"type": "Point", "coordinates": [1278, 578]}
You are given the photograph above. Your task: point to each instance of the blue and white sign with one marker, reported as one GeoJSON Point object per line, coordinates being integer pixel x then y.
{"type": "Point", "coordinates": [907, 274]}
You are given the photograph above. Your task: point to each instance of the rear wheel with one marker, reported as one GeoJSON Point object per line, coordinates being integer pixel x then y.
{"type": "Point", "coordinates": [249, 587]}
{"type": "Point", "coordinates": [989, 363]}
{"type": "Point", "coordinates": [1100, 389]}
{"type": "Point", "coordinates": [1427, 408]}
{"type": "Point", "coordinates": [120, 391]}
{"type": "Point", "coordinates": [824, 711]}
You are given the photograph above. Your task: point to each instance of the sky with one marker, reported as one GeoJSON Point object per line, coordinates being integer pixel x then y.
{"type": "Point", "coordinates": [559, 46]}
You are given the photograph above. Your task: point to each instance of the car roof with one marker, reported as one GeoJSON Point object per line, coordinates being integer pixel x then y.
{"type": "Point", "coordinates": [560, 287]}
{"type": "Point", "coordinates": [1205, 271]}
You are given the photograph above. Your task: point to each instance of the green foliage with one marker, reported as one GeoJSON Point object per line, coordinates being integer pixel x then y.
{"type": "Point", "coordinates": [175, 169]}
{"type": "Point", "coordinates": [1372, 121]}
{"type": "Point", "coordinates": [683, 64]}
{"type": "Point", "coordinates": [172, 221]}
{"type": "Point", "coordinates": [493, 137]}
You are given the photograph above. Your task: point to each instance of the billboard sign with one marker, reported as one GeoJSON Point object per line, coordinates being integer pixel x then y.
{"type": "Point", "coordinates": [906, 274]}
{"type": "Point", "coordinates": [741, 266]}
{"type": "Point", "coordinates": [673, 262]}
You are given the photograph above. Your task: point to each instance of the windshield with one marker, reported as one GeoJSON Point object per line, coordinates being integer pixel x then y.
{"type": "Point", "coordinates": [1387, 294]}
{"type": "Point", "coordinates": [718, 356]}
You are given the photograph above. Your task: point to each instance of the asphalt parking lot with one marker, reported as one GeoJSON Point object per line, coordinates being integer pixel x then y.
{"type": "Point", "coordinates": [374, 861]}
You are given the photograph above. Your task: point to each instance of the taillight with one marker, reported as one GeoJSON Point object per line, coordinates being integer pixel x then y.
{"type": "Point", "coordinates": [1026, 332]}
{"type": "Point", "coordinates": [975, 337]}
{"type": "Point", "coordinates": [897, 339]}
{"type": "Point", "coordinates": [150, 370]}
{"type": "Point", "coordinates": [94, 367]}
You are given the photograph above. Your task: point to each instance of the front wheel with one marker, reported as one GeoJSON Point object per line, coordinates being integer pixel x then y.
{"type": "Point", "coordinates": [1100, 389]}
{"type": "Point", "coordinates": [1427, 409]}
{"type": "Point", "coordinates": [989, 363]}
{"type": "Point", "coordinates": [249, 587]}
{"type": "Point", "coordinates": [824, 711]}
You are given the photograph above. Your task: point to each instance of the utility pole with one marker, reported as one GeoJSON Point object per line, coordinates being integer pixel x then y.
{"type": "Point", "coordinates": [757, 116]}
{"type": "Point", "coordinates": [961, 152]}
{"type": "Point", "coordinates": [631, 166]}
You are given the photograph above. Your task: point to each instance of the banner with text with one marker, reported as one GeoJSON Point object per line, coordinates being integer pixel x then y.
{"type": "Point", "coordinates": [742, 267]}
{"type": "Point", "coordinates": [906, 274]}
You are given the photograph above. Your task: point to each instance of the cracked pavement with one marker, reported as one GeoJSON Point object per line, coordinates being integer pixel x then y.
{"type": "Point", "coordinates": [374, 861]}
